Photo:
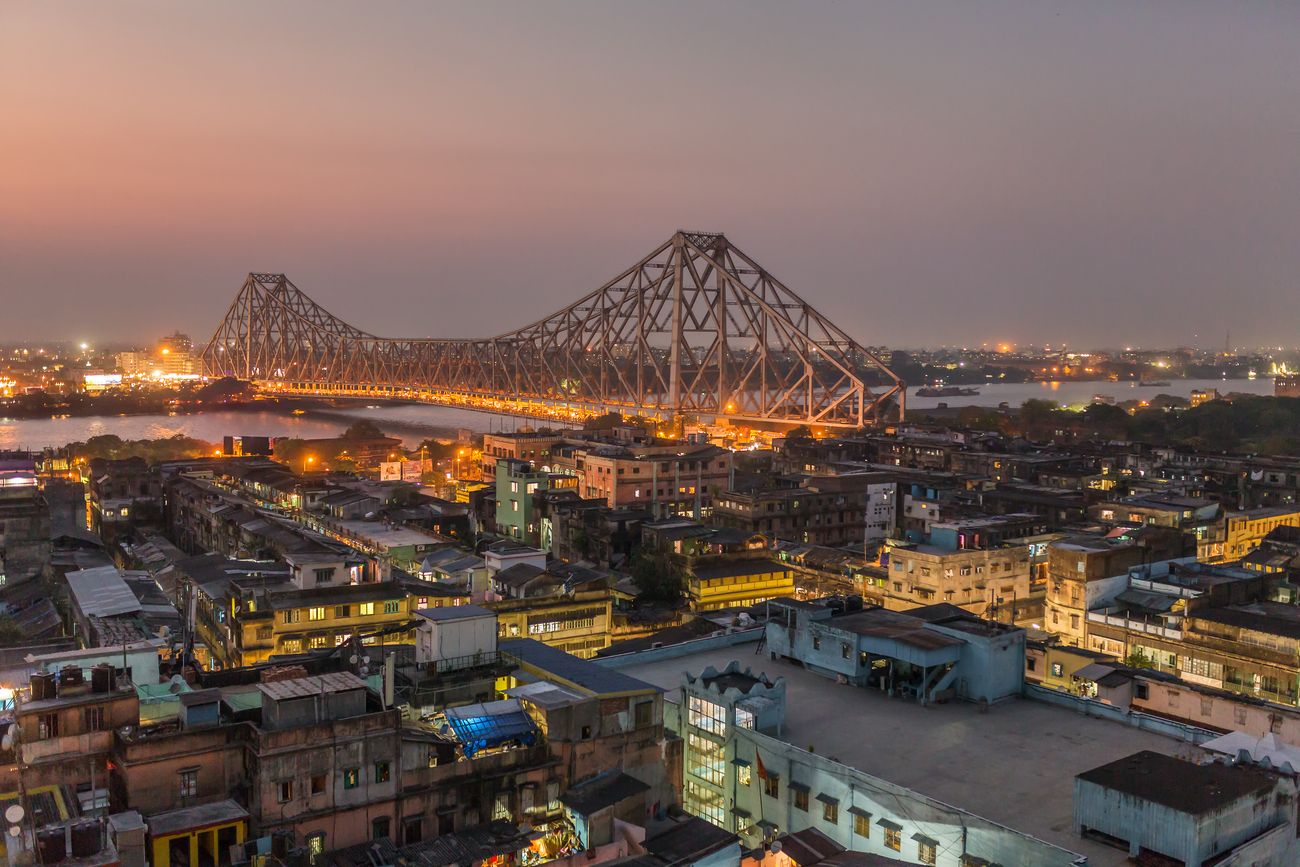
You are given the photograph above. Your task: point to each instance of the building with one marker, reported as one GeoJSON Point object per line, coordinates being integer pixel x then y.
{"type": "Point", "coordinates": [517, 511]}
{"type": "Point", "coordinates": [324, 761]}
{"type": "Point", "coordinates": [1204, 623]}
{"type": "Point", "coordinates": [714, 583]}
{"type": "Point", "coordinates": [848, 783]}
{"type": "Point", "coordinates": [65, 723]}
{"type": "Point", "coordinates": [987, 581]}
{"type": "Point", "coordinates": [849, 509]}
{"type": "Point", "coordinates": [1158, 806]}
{"type": "Point", "coordinates": [1243, 531]}
{"type": "Point", "coordinates": [572, 615]}
{"type": "Point", "coordinates": [25, 546]}
{"type": "Point", "coordinates": [1080, 571]}
{"type": "Point", "coordinates": [931, 654]}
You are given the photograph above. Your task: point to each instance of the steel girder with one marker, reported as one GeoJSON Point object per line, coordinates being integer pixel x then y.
{"type": "Point", "coordinates": [695, 328]}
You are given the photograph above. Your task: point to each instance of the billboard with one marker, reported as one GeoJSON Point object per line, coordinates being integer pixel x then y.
{"type": "Point", "coordinates": [404, 471]}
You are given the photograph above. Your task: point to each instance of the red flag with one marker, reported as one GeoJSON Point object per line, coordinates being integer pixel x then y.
{"type": "Point", "coordinates": [762, 771]}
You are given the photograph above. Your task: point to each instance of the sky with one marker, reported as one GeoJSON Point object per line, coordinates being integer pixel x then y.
{"type": "Point", "coordinates": [1100, 173]}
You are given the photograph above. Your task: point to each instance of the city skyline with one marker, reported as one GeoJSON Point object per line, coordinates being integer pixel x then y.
{"type": "Point", "coordinates": [1094, 175]}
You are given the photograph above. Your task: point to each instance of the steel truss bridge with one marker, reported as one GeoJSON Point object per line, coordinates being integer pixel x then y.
{"type": "Point", "coordinates": [696, 328]}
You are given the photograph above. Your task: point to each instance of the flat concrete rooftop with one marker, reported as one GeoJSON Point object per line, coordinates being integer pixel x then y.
{"type": "Point", "coordinates": [1015, 763]}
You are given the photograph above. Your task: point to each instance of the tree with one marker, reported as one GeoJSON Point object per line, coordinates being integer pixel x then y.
{"type": "Point", "coordinates": [603, 422]}
{"type": "Point", "coordinates": [1138, 659]}
{"type": "Point", "coordinates": [11, 634]}
{"type": "Point", "coordinates": [363, 429]}
{"type": "Point", "coordinates": [799, 432]}
{"type": "Point", "coordinates": [656, 578]}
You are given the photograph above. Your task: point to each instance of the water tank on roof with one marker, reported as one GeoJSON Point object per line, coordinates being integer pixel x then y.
{"type": "Point", "coordinates": [103, 678]}
{"type": "Point", "coordinates": [71, 675]}
{"type": "Point", "coordinates": [85, 838]}
{"type": "Point", "coordinates": [42, 685]}
{"type": "Point", "coordinates": [50, 845]}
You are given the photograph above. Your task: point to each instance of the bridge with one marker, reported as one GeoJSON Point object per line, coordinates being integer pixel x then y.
{"type": "Point", "coordinates": [696, 328]}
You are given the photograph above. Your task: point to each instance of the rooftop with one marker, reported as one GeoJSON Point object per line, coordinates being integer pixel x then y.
{"type": "Point", "coordinates": [454, 612]}
{"type": "Point", "coordinates": [1179, 784]}
{"type": "Point", "coordinates": [736, 568]}
{"type": "Point", "coordinates": [950, 752]}
{"type": "Point", "coordinates": [569, 669]}
{"type": "Point", "coordinates": [689, 841]}
{"type": "Point", "coordinates": [603, 790]}
{"type": "Point", "coordinates": [304, 687]}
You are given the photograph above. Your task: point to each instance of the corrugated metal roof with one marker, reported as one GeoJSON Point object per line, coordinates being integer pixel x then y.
{"type": "Point", "coordinates": [304, 687]}
{"type": "Point", "coordinates": [102, 592]}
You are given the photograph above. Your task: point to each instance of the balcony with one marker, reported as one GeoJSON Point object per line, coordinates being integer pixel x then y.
{"type": "Point", "coordinates": [1135, 625]}
{"type": "Point", "coordinates": [66, 746]}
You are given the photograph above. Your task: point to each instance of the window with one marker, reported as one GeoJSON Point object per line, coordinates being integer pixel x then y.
{"type": "Point", "coordinates": [772, 786]}
{"type": "Point", "coordinates": [286, 791]}
{"type": "Point", "coordinates": [48, 726]}
{"type": "Point", "coordinates": [342, 611]}
{"type": "Point", "coordinates": [318, 785]}
{"type": "Point", "coordinates": [830, 811]}
{"type": "Point", "coordinates": [707, 716]}
{"type": "Point", "coordinates": [351, 777]}
{"type": "Point", "coordinates": [817, 642]}
{"type": "Point", "coordinates": [289, 615]}
{"type": "Point", "coordinates": [862, 825]}
{"type": "Point", "coordinates": [382, 772]}
{"type": "Point", "coordinates": [643, 713]}
{"type": "Point", "coordinates": [318, 642]}
{"type": "Point", "coordinates": [844, 650]}
{"type": "Point", "coordinates": [1141, 691]}
{"type": "Point", "coordinates": [95, 719]}
{"type": "Point", "coordinates": [379, 828]}
{"type": "Point", "coordinates": [366, 608]}
{"type": "Point", "coordinates": [189, 780]}
{"type": "Point", "coordinates": [315, 613]}
{"type": "Point", "coordinates": [800, 797]}
{"type": "Point", "coordinates": [926, 851]}
{"type": "Point", "coordinates": [265, 633]}
{"type": "Point", "coordinates": [744, 718]}
{"type": "Point", "coordinates": [1058, 670]}
{"type": "Point", "coordinates": [293, 645]}
{"type": "Point", "coordinates": [315, 846]}
{"type": "Point", "coordinates": [744, 775]}
{"type": "Point", "coordinates": [1031, 664]}
{"type": "Point", "coordinates": [392, 607]}
{"type": "Point", "coordinates": [324, 576]}
{"type": "Point", "coordinates": [894, 838]}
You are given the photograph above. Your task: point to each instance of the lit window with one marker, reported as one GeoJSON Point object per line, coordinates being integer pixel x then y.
{"type": "Point", "coordinates": [315, 613]}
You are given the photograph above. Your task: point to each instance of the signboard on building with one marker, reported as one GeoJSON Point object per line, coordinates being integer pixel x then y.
{"type": "Point", "coordinates": [404, 471]}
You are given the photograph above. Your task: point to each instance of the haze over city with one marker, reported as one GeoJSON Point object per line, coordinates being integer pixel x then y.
{"type": "Point", "coordinates": [1095, 173]}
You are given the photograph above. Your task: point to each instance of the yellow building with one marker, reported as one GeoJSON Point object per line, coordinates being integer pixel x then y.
{"type": "Point", "coordinates": [1057, 666]}
{"type": "Point", "coordinates": [196, 835]}
{"type": "Point", "coordinates": [737, 583]}
{"type": "Point", "coordinates": [256, 622]}
{"type": "Point", "coordinates": [579, 624]}
{"type": "Point", "coordinates": [1243, 531]}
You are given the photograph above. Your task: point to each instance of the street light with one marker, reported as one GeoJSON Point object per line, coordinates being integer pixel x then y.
{"type": "Point", "coordinates": [307, 462]}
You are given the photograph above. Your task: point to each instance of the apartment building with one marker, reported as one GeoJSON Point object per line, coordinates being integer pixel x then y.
{"type": "Point", "coordinates": [960, 565]}
{"type": "Point", "coordinates": [848, 509]}
{"type": "Point", "coordinates": [1081, 570]}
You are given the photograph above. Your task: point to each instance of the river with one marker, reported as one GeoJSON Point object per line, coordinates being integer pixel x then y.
{"type": "Point", "coordinates": [1075, 393]}
{"type": "Point", "coordinates": [411, 422]}
{"type": "Point", "coordinates": [415, 422]}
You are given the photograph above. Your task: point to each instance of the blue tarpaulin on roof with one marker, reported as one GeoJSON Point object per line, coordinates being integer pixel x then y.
{"type": "Point", "coordinates": [483, 726]}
